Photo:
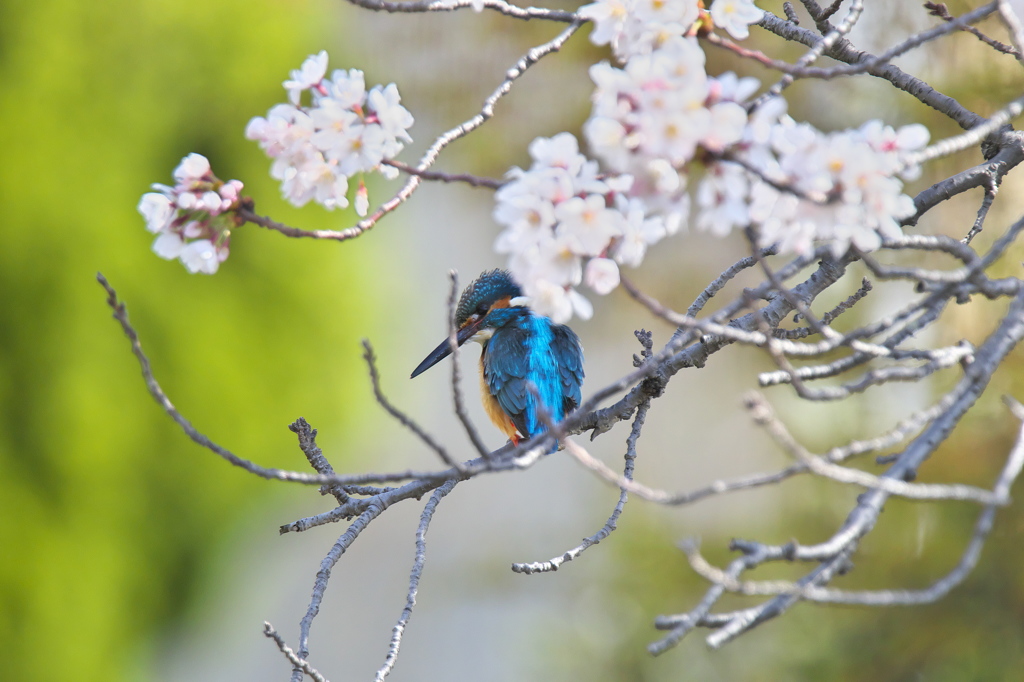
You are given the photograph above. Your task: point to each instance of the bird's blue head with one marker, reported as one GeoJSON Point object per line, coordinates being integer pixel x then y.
{"type": "Point", "coordinates": [482, 307]}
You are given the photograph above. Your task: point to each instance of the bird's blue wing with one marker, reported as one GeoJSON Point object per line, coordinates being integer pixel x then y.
{"type": "Point", "coordinates": [549, 355]}
{"type": "Point", "coordinates": [568, 352]}
{"type": "Point", "coordinates": [506, 366]}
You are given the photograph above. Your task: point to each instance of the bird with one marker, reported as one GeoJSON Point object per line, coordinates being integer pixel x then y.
{"type": "Point", "coordinates": [518, 347]}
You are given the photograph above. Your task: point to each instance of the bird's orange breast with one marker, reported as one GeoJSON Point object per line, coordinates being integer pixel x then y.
{"type": "Point", "coordinates": [494, 411]}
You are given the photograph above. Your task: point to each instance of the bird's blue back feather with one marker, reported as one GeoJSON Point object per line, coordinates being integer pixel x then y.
{"type": "Point", "coordinates": [528, 348]}
{"type": "Point", "coordinates": [543, 373]}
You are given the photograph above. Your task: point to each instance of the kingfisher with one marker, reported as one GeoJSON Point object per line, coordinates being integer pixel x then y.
{"type": "Point", "coordinates": [518, 347]}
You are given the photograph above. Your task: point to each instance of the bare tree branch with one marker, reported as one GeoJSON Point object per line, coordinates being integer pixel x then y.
{"type": "Point", "coordinates": [763, 415]}
{"type": "Point", "coordinates": [936, 591]}
{"type": "Point", "coordinates": [939, 9]}
{"type": "Point", "coordinates": [469, 179]}
{"type": "Point", "coordinates": [609, 526]}
{"type": "Point", "coordinates": [301, 666]}
{"type": "Point", "coordinates": [414, 578]}
{"type": "Point", "coordinates": [834, 554]}
{"type": "Point", "coordinates": [450, 5]}
{"type": "Point", "coordinates": [843, 51]}
{"type": "Point", "coordinates": [829, 72]}
{"type": "Point", "coordinates": [399, 416]}
{"type": "Point", "coordinates": [969, 138]}
{"type": "Point", "coordinates": [627, 475]}
{"type": "Point", "coordinates": [453, 343]}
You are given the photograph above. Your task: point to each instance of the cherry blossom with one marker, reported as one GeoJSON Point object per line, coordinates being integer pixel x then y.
{"type": "Point", "coordinates": [735, 16]}
{"type": "Point", "coordinates": [362, 203]}
{"type": "Point", "coordinates": [200, 256]}
{"type": "Point", "coordinates": [661, 106]}
{"type": "Point", "coordinates": [723, 199]}
{"type": "Point", "coordinates": [660, 117]}
{"type": "Point", "coordinates": [562, 213]}
{"type": "Point", "coordinates": [194, 168]}
{"type": "Point", "coordinates": [168, 245]}
{"type": "Point", "coordinates": [840, 188]}
{"type": "Point", "coordinates": [588, 223]}
{"type": "Point", "coordinates": [345, 131]}
{"type": "Point", "coordinates": [158, 210]}
{"type": "Point", "coordinates": [602, 275]}
{"type": "Point", "coordinates": [394, 119]}
{"type": "Point", "coordinates": [636, 27]}
{"type": "Point", "coordinates": [309, 74]}
{"type": "Point", "coordinates": [194, 218]}
{"type": "Point", "coordinates": [639, 231]}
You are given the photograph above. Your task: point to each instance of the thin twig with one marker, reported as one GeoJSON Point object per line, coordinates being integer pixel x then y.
{"type": "Point", "coordinates": [500, 6]}
{"type": "Point", "coordinates": [323, 576]}
{"type": "Point", "coordinates": [845, 52]}
{"type": "Point", "coordinates": [819, 48]}
{"type": "Point", "coordinates": [553, 564]}
{"type": "Point", "coordinates": [486, 112]}
{"type": "Point", "coordinates": [1008, 13]}
{"type": "Point", "coordinates": [830, 72]}
{"type": "Point", "coordinates": [991, 188]}
{"type": "Point", "coordinates": [121, 315]}
{"type": "Point", "coordinates": [307, 443]}
{"type": "Point", "coordinates": [787, 8]}
{"type": "Point", "coordinates": [401, 417]}
{"type": "Point", "coordinates": [967, 138]}
{"type": "Point", "coordinates": [300, 664]}
{"type": "Point", "coordinates": [247, 213]}
{"type": "Point", "coordinates": [719, 282]}
{"type": "Point", "coordinates": [764, 417]}
{"type": "Point", "coordinates": [453, 343]}
{"type": "Point", "coordinates": [414, 578]}
{"type": "Point", "coordinates": [468, 178]}
{"type": "Point", "coordinates": [830, 316]}
{"type": "Point", "coordinates": [939, 10]}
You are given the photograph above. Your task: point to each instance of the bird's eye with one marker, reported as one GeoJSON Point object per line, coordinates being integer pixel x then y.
{"type": "Point", "coordinates": [481, 310]}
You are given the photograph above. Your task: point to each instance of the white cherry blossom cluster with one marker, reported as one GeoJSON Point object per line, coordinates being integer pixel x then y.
{"type": "Point", "coordinates": [193, 219]}
{"type": "Point", "coordinates": [660, 113]}
{"type": "Point", "coordinates": [843, 188]}
{"type": "Point", "coordinates": [561, 212]}
{"type": "Point", "coordinates": [636, 27]}
{"type": "Point", "coordinates": [656, 121]}
{"type": "Point", "coordinates": [343, 131]}
{"type": "Point", "coordinates": [654, 116]}
{"type": "Point", "coordinates": [661, 107]}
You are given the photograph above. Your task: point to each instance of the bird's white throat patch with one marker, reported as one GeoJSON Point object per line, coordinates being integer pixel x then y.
{"type": "Point", "coordinates": [483, 336]}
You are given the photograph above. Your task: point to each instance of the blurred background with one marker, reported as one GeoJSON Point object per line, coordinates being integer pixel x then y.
{"type": "Point", "coordinates": [129, 553]}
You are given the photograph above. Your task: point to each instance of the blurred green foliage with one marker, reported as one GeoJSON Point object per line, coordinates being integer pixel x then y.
{"type": "Point", "coordinates": [108, 509]}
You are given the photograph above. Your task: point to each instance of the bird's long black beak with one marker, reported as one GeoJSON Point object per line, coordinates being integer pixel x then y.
{"type": "Point", "coordinates": [444, 349]}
